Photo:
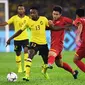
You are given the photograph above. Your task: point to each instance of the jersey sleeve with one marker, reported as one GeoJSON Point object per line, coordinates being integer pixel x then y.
{"type": "Point", "coordinates": [10, 20]}
{"type": "Point", "coordinates": [68, 20]}
{"type": "Point", "coordinates": [76, 22]}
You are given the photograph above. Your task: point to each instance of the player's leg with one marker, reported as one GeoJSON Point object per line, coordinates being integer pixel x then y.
{"type": "Point", "coordinates": [64, 65]}
{"type": "Point", "coordinates": [32, 52]}
{"type": "Point", "coordinates": [25, 57]}
{"type": "Point", "coordinates": [25, 46]}
{"type": "Point", "coordinates": [78, 57]}
{"type": "Point", "coordinates": [28, 64]}
{"type": "Point", "coordinates": [51, 57]}
{"type": "Point", "coordinates": [43, 51]}
{"type": "Point", "coordinates": [79, 63]}
{"type": "Point", "coordinates": [18, 61]}
{"type": "Point", "coordinates": [17, 49]}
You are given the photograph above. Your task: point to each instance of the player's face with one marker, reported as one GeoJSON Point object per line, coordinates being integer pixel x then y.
{"type": "Point", "coordinates": [56, 15]}
{"type": "Point", "coordinates": [33, 13]}
{"type": "Point", "coordinates": [21, 10]}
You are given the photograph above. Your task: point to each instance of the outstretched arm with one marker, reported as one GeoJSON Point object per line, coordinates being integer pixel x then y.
{"type": "Point", "coordinates": [3, 23]}
{"type": "Point", "coordinates": [15, 35]}
{"type": "Point", "coordinates": [58, 28]}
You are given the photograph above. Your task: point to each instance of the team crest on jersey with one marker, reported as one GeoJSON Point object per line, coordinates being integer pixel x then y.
{"type": "Point", "coordinates": [41, 22]}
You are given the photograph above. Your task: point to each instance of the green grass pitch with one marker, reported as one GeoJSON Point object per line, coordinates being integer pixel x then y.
{"type": "Point", "coordinates": [57, 75]}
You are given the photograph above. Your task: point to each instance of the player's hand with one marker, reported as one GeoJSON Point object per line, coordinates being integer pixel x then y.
{"type": "Point", "coordinates": [8, 42]}
{"type": "Point", "coordinates": [50, 22]}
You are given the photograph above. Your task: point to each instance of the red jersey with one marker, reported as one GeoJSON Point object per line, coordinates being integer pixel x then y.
{"type": "Point", "coordinates": [57, 37]}
{"type": "Point", "coordinates": [82, 21]}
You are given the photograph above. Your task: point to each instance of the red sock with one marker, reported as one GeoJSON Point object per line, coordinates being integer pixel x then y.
{"type": "Point", "coordinates": [51, 59]}
{"type": "Point", "coordinates": [67, 67]}
{"type": "Point", "coordinates": [80, 64]}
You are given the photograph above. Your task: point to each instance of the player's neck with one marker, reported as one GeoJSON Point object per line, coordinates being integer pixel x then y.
{"type": "Point", "coordinates": [35, 19]}
{"type": "Point", "coordinates": [21, 15]}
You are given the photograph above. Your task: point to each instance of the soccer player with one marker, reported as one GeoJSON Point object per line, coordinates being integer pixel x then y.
{"type": "Point", "coordinates": [37, 25]}
{"type": "Point", "coordinates": [80, 24]}
{"type": "Point", "coordinates": [22, 40]}
{"type": "Point", "coordinates": [57, 38]}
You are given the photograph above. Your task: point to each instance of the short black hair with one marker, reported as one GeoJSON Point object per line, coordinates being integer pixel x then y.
{"type": "Point", "coordinates": [58, 8]}
{"type": "Point", "coordinates": [35, 7]}
{"type": "Point", "coordinates": [80, 12]}
{"type": "Point", "coordinates": [20, 5]}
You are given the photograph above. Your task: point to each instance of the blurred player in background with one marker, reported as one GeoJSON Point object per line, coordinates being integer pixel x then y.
{"type": "Point", "coordinates": [22, 40]}
{"type": "Point", "coordinates": [57, 38]}
{"type": "Point", "coordinates": [80, 24]}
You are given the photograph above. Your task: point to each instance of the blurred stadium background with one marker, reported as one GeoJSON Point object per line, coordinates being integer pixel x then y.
{"type": "Point", "coordinates": [8, 9]}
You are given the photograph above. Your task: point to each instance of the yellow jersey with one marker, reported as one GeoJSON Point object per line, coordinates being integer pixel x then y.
{"type": "Point", "coordinates": [18, 23]}
{"type": "Point", "coordinates": [38, 27]}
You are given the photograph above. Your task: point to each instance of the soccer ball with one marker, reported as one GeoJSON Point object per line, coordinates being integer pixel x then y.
{"type": "Point", "coordinates": [12, 77]}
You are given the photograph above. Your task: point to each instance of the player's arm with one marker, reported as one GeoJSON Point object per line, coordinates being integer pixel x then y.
{"type": "Point", "coordinates": [7, 22]}
{"type": "Point", "coordinates": [58, 28]}
{"type": "Point", "coordinates": [55, 28]}
{"type": "Point", "coordinates": [79, 26]}
{"type": "Point", "coordinates": [50, 25]}
{"type": "Point", "coordinates": [3, 23]}
{"type": "Point", "coordinates": [68, 23]}
{"type": "Point", "coordinates": [16, 34]}
{"type": "Point", "coordinates": [79, 30]}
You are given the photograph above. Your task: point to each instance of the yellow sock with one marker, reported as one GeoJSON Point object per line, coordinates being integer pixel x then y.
{"type": "Point", "coordinates": [25, 58]}
{"type": "Point", "coordinates": [28, 65]}
{"type": "Point", "coordinates": [44, 68]}
{"type": "Point", "coordinates": [18, 61]}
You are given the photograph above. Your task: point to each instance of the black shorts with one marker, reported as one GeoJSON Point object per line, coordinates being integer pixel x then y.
{"type": "Point", "coordinates": [43, 49]}
{"type": "Point", "coordinates": [19, 44]}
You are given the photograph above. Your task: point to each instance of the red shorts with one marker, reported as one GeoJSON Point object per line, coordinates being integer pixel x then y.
{"type": "Point", "coordinates": [81, 51]}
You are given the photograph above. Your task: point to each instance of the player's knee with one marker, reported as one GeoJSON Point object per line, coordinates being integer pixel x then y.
{"type": "Point", "coordinates": [18, 53]}
{"type": "Point", "coordinates": [58, 64]}
{"type": "Point", "coordinates": [26, 50]}
{"type": "Point", "coordinates": [75, 59]}
{"type": "Point", "coordinates": [31, 53]}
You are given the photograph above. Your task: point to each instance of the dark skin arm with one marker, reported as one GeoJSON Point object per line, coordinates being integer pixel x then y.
{"type": "Point", "coordinates": [3, 23]}
{"type": "Point", "coordinates": [15, 35]}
